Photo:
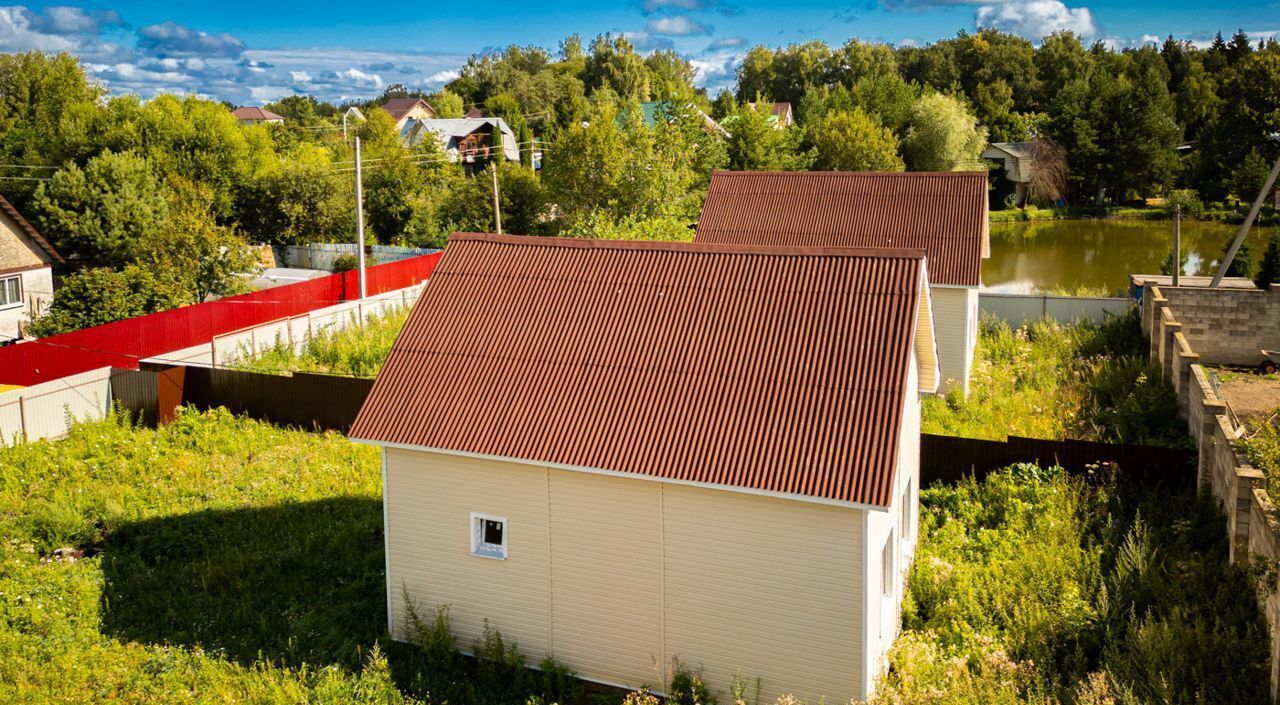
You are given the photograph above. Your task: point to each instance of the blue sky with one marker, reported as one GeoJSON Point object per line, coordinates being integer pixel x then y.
{"type": "Point", "coordinates": [253, 52]}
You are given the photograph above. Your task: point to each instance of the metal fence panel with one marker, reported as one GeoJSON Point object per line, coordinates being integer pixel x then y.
{"type": "Point", "coordinates": [48, 410]}
{"type": "Point", "coordinates": [1019, 309]}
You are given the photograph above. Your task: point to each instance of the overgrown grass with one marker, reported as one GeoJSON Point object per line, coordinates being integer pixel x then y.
{"type": "Point", "coordinates": [355, 351]}
{"type": "Point", "coordinates": [1262, 447]}
{"type": "Point", "coordinates": [1034, 587]}
{"type": "Point", "coordinates": [217, 560]}
{"type": "Point", "coordinates": [1049, 380]}
{"type": "Point", "coordinates": [224, 560]}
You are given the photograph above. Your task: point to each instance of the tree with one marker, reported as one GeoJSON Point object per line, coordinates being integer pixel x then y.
{"type": "Point", "coordinates": [614, 64]}
{"type": "Point", "coordinates": [757, 144]}
{"type": "Point", "coordinates": [724, 105]}
{"type": "Point", "coordinates": [206, 259]}
{"type": "Point", "coordinates": [45, 101]}
{"type": "Point", "coordinates": [1242, 265]}
{"type": "Point", "coordinates": [1269, 269]}
{"type": "Point", "coordinates": [102, 212]}
{"type": "Point", "coordinates": [300, 199]}
{"type": "Point", "coordinates": [447, 104]}
{"type": "Point", "coordinates": [853, 141]}
{"type": "Point", "coordinates": [943, 136]}
{"type": "Point", "coordinates": [96, 296]}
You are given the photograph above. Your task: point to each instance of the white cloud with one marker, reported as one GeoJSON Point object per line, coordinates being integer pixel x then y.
{"type": "Point", "coordinates": [1036, 18]}
{"type": "Point", "coordinates": [300, 76]}
{"type": "Point", "coordinates": [645, 41]}
{"type": "Point", "coordinates": [676, 25]}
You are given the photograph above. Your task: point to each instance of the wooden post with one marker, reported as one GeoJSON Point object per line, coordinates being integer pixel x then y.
{"type": "Point", "coordinates": [497, 209]}
{"type": "Point", "coordinates": [22, 416]}
{"type": "Point", "coordinates": [1177, 242]}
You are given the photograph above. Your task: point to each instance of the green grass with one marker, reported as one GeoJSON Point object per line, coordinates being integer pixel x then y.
{"type": "Point", "coordinates": [1034, 587]}
{"type": "Point", "coordinates": [1049, 380]}
{"type": "Point", "coordinates": [228, 561]}
{"type": "Point", "coordinates": [356, 351]}
{"type": "Point", "coordinates": [224, 561]}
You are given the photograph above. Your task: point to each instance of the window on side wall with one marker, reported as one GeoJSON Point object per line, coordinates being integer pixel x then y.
{"type": "Point", "coordinates": [10, 292]}
{"type": "Point", "coordinates": [887, 568]}
{"type": "Point", "coordinates": [908, 520]}
{"type": "Point", "coordinates": [488, 536]}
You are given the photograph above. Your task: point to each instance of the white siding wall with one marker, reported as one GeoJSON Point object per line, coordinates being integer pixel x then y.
{"type": "Point", "coordinates": [616, 576]}
{"type": "Point", "coordinates": [883, 625]}
{"type": "Point", "coordinates": [37, 294]}
{"type": "Point", "coordinates": [955, 323]}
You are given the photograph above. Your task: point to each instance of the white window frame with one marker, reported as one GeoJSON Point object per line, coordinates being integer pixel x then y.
{"type": "Point", "coordinates": [888, 567]}
{"type": "Point", "coordinates": [479, 548]}
{"type": "Point", "coordinates": [4, 287]}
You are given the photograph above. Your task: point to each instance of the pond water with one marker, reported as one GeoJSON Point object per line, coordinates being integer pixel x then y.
{"type": "Point", "coordinates": [1039, 256]}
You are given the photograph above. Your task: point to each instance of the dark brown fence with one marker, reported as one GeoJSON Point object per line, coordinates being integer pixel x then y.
{"type": "Point", "coordinates": [949, 458]}
{"type": "Point", "coordinates": [307, 401]}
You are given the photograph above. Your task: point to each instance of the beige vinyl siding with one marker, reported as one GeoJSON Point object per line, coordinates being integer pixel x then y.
{"type": "Point", "coordinates": [606, 560]}
{"type": "Point", "coordinates": [955, 326]}
{"type": "Point", "coordinates": [615, 576]}
{"type": "Point", "coordinates": [764, 586]}
{"type": "Point", "coordinates": [430, 498]}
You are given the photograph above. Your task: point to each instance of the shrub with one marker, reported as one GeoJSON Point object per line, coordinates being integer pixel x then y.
{"type": "Point", "coordinates": [687, 688]}
{"type": "Point", "coordinates": [348, 262]}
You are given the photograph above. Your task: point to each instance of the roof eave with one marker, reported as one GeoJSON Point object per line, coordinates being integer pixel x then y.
{"type": "Point", "coordinates": [810, 499]}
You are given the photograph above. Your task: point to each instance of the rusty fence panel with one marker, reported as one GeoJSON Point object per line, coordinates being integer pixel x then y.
{"type": "Point", "coordinates": [951, 458]}
{"type": "Point", "coordinates": [307, 401]}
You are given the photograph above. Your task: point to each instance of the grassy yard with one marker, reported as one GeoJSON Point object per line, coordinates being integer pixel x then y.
{"type": "Point", "coordinates": [1049, 380]}
{"type": "Point", "coordinates": [1033, 587]}
{"type": "Point", "coordinates": [224, 561]}
{"type": "Point", "coordinates": [357, 351]}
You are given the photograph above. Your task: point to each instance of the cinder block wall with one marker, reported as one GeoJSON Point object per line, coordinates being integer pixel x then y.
{"type": "Point", "coordinates": [1225, 326]}
{"type": "Point", "coordinates": [1220, 319]}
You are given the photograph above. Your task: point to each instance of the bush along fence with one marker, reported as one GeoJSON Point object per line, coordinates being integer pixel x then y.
{"type": "Point", "coordinates": [1189, 327]}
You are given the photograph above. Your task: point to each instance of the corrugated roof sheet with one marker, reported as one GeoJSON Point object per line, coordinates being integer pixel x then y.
{"type": "Point", "coordinates": [255, 113]}
{"type": "Point", "coordinates": [30, 230]}
{"type": "Point", "coordinates": [781, 370]}
{"type": "Point", "coordinates": [943, 213]}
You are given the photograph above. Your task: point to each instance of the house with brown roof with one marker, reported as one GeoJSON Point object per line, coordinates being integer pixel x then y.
{"type": "Point", "coordinates": [944, 213]}
{"type": "Point", "coordinates": [248, 115]}
{"type": "Point", "coordinates": [402, 110]}
{"type": "Point", "coordinates": [624, 453]}
{"type": "Point", "coordinates": [26, 274]}
{"type": "Point", "coordinates": [780, 114]}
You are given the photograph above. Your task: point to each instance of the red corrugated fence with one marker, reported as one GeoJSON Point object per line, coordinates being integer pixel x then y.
{"type": "Point", "coordinates": [123, 343]}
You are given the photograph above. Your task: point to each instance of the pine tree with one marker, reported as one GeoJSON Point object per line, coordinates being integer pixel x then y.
{"type": "Point", "coordinates": [1269, 270]}
{"type": "Point", "coordinates": [1242, 265]}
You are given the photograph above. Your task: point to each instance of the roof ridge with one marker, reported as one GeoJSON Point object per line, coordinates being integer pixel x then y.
{"type": "Point", "coordinates": [878, 174]}
{"type": "Point", "coordinates": [690, 247]}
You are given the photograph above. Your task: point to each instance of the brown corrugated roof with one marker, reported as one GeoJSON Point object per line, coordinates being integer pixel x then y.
{"type": "Point", "coordinates": [943, 213]}
{"type": "Point", "coordinates": [399, 107]}
{"type": "Point", "coordinates": [30, 230]}
{"type": "Point", "coordinates": [774, 369]}
{"type": "Point", "coordinates": [254, 113]}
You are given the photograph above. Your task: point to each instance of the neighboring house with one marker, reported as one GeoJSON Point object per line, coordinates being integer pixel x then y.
{"type": "Point", "coordinates": [26, 276]}
{"type": "Point", "coordinates": [651, 111]}
{"type": "Point", "coordinates": [780, 114]}
{"type": "Point", "coordinates": [464, 139]}
{"type": "Point", "coordinates": [474, 113]}
{"type": "Point", "coordinates": [1018, 161]}
{"type": "Point", "coordinates": [402, 110]}
{"type": "Point", "coordinates": [625, 453]}
{"type": "Point", "coordinates": [944, 214]}
{"type": "Point", "coordinates": [254, 116]}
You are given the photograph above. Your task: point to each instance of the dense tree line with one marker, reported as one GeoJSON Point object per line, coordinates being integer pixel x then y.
{"type": "Point", "coordinates": [164, 195]}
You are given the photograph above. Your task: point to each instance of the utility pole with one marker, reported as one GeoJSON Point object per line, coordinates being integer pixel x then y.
{"type": "Point", "coordinates": [1244, 229]}
{"type": "Point", "coordinates": [1177, 242]}
{"type": "Point", "coordinates": [359, 220]}
{"type": "Point", "coordinates": [493, 167]}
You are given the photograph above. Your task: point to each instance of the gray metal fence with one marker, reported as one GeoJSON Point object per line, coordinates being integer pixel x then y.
{"type": "Point", "coordinates": [1018, 309]}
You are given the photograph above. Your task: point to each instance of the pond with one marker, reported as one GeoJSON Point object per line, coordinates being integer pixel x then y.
{"type": "Point", "coordinates": [1100, 254]}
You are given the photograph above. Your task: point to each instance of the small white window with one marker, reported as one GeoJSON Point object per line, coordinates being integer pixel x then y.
{"type": "Point", "coordinates": [488, 536]}
{"type": "Point", "coordinates": [908, 517]}
{"type": "Point", "coordinates": [887, 571]}
{"type": "Point", "coordinates": [10, 292]}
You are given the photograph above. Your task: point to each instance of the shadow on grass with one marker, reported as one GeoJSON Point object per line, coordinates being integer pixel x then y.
{"type": "Point", "coordinates": [296, 583]}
